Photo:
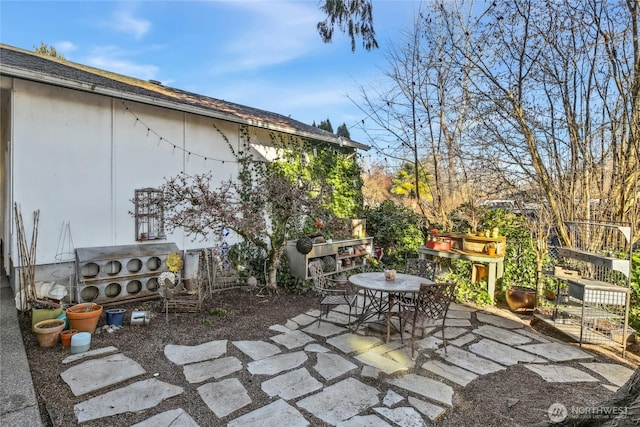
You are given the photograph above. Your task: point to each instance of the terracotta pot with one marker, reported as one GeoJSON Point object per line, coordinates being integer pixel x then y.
{"type": "Point", "coordinates": [84, 317]}
{"type": "Point", "coordinates": [521, 298]}
{"type": "Point", "coordinates": [491, 251]}
{"type": "Point", "coordinates": [48, 331]}
{"type": "Point", "coordinates": [65, 337]}
{"type": "Point", "coordinates": [40, 314]}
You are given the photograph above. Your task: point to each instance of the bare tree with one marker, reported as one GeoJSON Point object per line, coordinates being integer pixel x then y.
{"type": "Point", "coordinates": [259, 205]}
{"type": "Point", "coordinates": [554, 88]}
{"type": "Point", "coordinates": [421, 114]}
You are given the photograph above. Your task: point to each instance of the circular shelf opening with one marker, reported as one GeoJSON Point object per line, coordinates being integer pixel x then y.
{"type": "Point", "coordinates": [89, 293]}
{"type": "Point", "coordinates": [112, 290]}
{"type": "Point", "coordinates": [134, 265]}
{"type": "Point", "coordinates": [113, 267]}
{"type": "Point", "coordinates": [90, 269]}
{"type": "Point", "coordinates": [152, 284]}
{"type": "Point", "coordinates": [154, 263]}
{"type": "Point", "coordinates": [134, 286]}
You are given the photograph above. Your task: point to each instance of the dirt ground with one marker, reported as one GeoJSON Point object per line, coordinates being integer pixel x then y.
{"type": "Point", "coordinates": [515, 396]}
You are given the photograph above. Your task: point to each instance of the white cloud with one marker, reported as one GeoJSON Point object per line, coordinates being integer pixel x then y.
{"type": "Point", "coordinates": [65, 47]}
{"type": "Point", "coordinates": [113, 59]}
{"type": "Point", "coordinates": [273, 33]}
{"type": "Point", "coordinates": [124, 22]}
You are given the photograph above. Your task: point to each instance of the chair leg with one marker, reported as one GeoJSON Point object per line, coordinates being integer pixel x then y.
{"type": "Point", "coordinates": [388, 327]}
{"type": "Point", "coordinates": [413, 340]}
{"type": "Point", "coordinates": [444, 341]}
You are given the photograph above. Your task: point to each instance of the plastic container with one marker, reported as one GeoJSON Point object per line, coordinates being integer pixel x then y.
{"type": "Point", "coordinates": [115, 316]}
{"type": "Point", "coordinates": [80, 342]}
{"type": "Point", "coordinates": [140, 317]}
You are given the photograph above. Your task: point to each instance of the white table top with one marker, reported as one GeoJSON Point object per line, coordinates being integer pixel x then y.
{"type": "Point", "coordinates": [376, 282]}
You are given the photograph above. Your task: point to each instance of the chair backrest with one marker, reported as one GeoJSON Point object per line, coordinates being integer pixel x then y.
{"type": "Point", "coordinates": [422, 267]}
{"type": "Point", "coordinates": [433, 300]}
{"type": "Point", "coordinates": [316, 271]}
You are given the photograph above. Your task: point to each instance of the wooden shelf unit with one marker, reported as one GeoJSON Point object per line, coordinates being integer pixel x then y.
{"type": "Point", "coordinates": [338, 250]}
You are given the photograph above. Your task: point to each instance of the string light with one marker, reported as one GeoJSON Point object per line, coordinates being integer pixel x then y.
{"type": "Point", "coordinates": [162, 139]}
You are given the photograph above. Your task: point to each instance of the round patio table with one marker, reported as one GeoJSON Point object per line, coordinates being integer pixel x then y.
{"type": "Point", "coordinates": [376, 290]}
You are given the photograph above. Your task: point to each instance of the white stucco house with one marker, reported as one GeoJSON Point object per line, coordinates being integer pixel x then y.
{"type": "Point", "coordinates": [78, 142]}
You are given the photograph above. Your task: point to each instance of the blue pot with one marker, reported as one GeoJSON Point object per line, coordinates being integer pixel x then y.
{"type": "Point", "coordinates": [115, 316]}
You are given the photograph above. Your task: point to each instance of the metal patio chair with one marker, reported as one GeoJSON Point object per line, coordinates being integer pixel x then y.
{"type": "Point", "coordinates": [428, 309]}
{"type": "Point", "coordinates": [330, 297]}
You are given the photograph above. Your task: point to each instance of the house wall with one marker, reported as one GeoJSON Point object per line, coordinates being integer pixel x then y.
{"type": "Point", "coordinates": [78, 157]}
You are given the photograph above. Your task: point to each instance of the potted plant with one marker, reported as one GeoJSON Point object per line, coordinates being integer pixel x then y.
{"type": "Point", "coordinates": [491, 248]}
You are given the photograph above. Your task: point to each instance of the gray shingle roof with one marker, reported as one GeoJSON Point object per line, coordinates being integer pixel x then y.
{"type": "Point", "coordinates": [24, 64]}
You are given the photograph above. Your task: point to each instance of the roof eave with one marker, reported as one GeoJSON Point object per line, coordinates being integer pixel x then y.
{"type": "Point", "coordinates": [85, 87]}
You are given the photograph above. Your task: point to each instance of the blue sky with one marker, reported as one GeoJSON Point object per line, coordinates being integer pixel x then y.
{"type": "Point", "coordinates": [264, 54]}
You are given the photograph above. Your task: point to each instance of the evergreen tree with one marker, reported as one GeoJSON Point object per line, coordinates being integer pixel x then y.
{"type": "Point", "coordinates": [343, 131]}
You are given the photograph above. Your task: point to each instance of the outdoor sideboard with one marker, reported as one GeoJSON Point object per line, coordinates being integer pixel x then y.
{"type": "Point", "coordinates": [471, 248]}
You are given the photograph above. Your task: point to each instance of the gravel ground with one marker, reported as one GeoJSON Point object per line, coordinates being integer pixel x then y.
{"type": "Point", "coordinates": [512, 397]}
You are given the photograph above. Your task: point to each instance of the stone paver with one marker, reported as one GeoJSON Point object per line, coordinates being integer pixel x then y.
{"type": "Point", "coordinates": [135, 397]}
{"type": "Point", "coordinates": [291, 385]}
{"type": "Point", "coordinates": [184, 354]}
{"type": "Point", "coordinates": [276, 414]}
{"type": "Point", "coordinates": [257, 349]}
{"type": "Point", "coordinates": [279, 328]}
{"type": "Point", "coordinates": [430, 410]}
{"type": "Point", "coordinates": [90, 353]}
{"type": "Point", "coordinates": [316, 348]}
{"type": "Point", "coordinates": [291, 325]}
{"type": "Point", "coordinates": [503, 354]}
{"type": "Point", "coordinates": [174, 417]}
{"type": "Point", "coordinates": [556, 352]}
{"type": "Point", "coordinates": [293, 339]}
{"type": "Point", "coordinates": [351, 343]}
{"type": "Point", "coordinates": [95, 374]}
{"type": "Point", "coordinates": [217, 368]}
{"type": "Point", "coordinates": [403, 416]}
{"type": "Point", "coordinates": [452, 332]}
{"type": "Point", "coordinates": [457, 314]}
{"type": "Point", "coordinates": [469, 361]}
{"type": "Point", "coordinates": [385, 364]}
{"type": "Point", "coordinates": [340, 401]}
{"type": "Point", "coordinates": [533, 335]}
{"type": "Point", "coordinates": [494, 320]}
{"type": "Point", "coordinates": [364, 421]}
{"type": "Point", "coordinates": [339, 318]}
{"type": "Point", "coordinates": [391, 398]}
{"type": "Point", "coordinates": [614, 373]}
{"type": "Point", "coordinates": [463, 340]}
{"type": "Point", "coordinates": [501, 335]}
{"type": "Point", "coordinates": [304, 319]}
{"type": "Point", "coordinates": [457, 323]}
{"type": "Point", "coordinates": [454, 306]}
{"type": "Point", "coordinates": [340, 355]}
{"type": "Point", "coordinates": [324, 329]}
{"type": "Point", "coordinates": [560, 374]}
{"type": "Point", "coordinates": [330, 365]}
{"type": "Point", "coordinates": [431, 389]}
{"type": "Point", "coordinates": [224, 397]}
{"type": "Point", "coordinates": [452, 373]}
{"type": "Point", "coordinates": [275, 364]}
